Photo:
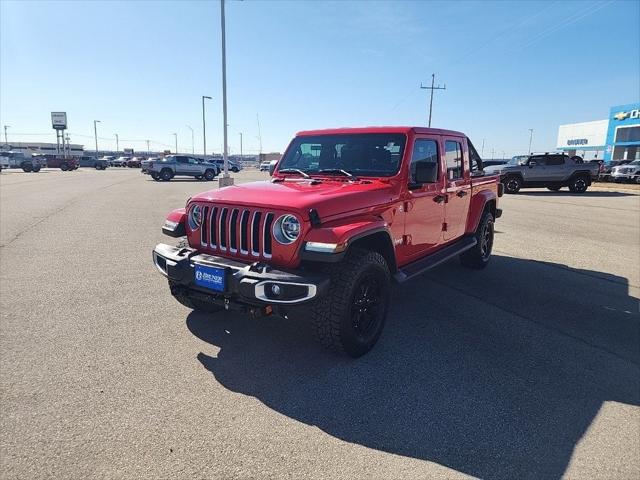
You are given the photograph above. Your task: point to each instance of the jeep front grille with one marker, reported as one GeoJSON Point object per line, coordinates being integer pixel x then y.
{"type": "Point", "coordinates": [237, 231]}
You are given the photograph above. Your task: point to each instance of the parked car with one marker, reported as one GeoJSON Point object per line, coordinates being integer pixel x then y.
{"type": "Point", "coordinates": [10, 159]}
{"type": "Point", "coordinates": [58, 161]}
{"type": "Point", "coordinates": [182, 165]}
{"type": "Point", "coordinates": [144, 164]}
{"type": "Point", "coordinates": [550, 170]}
{"type": "Point", "coordinates": [629, 172]}
{"type": "Point", "coordinates": [346, 212]}
{"type": "Point", "coordinates": [93, 162]}
{"type": "Point", "coordinates": [135, 162]}
{"type": "Point", "coordinates": [119, 162]}
{"type": "Point", "coordinates": [608, 168]}
{"type": "Point", "coordinates": [233, 166]}
{"type": "Point", "coordinates": [264, 166]}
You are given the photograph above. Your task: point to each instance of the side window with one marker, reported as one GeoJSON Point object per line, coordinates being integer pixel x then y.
{"type": "Point", "coordinates": [476, 161]}
{"type": "Point", "coordinates": [453, 156]}
{"type": "Point", "coordinates": [193, 161]}
{"type": "Point", "coordinates": [181, 160]}
{"type": "Point", "coordinates": [424, 151]}
{"type": "Point", "coordinates": [538, 159]}
{"type": "Point", "coordinates": [555, 160]}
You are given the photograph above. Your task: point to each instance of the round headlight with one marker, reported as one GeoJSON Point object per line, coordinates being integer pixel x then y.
{"type": "Point", "coordinates": [195, 217]}
{"type": "Point", "coordinates": [286, 229]}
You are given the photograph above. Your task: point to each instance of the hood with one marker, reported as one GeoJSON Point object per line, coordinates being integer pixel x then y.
{"type": "Point", "coordinates": [328, 197]}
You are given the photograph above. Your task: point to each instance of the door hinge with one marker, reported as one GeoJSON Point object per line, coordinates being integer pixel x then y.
{"type": "Point", "coordinates": [444, 226]}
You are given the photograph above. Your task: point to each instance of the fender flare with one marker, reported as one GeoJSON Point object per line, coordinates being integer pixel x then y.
{"type": "Point", "coordinates": [174, 225]}
{"type": "Point", "coordinates": [478, 203]}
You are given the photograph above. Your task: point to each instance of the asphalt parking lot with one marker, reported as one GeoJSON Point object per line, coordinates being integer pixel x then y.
{"type": "Point", "coordinates": [527, 369]}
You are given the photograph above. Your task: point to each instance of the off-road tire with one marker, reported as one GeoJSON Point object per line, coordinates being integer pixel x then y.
{"type": "Point", "coordinates": [578, 184]}
{"type": "Point", "coordinates": [166, 175]}
{"type": "Point", "coordinates": [36, 169]}
{"type": "Point", "coordinates": [64, 167]}
{"type": "Point", "coordinates": [209, 175]}
{"type": "Point", "coordinates": [234, 169]}
{"type": "Point", "coordinates": [478, 257]}
{"type": "Point", "coordinates": [554, 188]}
{"type": "Point", "coordinates": [512, 184]}
{"type": "Point", "coordinates": [27, 167]}
{"type": "Point", "coordinates": [191, 303]}
{"type": "Point", "coordinates": [337, 315]}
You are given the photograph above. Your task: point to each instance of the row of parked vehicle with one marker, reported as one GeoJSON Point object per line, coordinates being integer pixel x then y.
{"type": "Point", "coordinates": [170, 166]}
{"type": "Point", "coordinates": [33, 163]}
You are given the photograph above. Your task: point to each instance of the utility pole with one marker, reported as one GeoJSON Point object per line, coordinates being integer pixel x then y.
{"type": "Point", "coordinates": [240, 146]}
{"type": "Point", "coordinates": [482, 149]}
{"type": "Point", "coordinates": [148, 150]}
{"type": "Point", "coordinates": [493, 153]}
{"type": "Point", "coordinates": [204, 129]}
{"type": "Point", "coordinates": [226, 179]}
{"type": "Point", "coordinates": [432, 88]}
{"type": "Point", "coordinates": [117, 142]}
{"type": "Point", "coordinates": [530, 139]}
{"type": "Point", "coordinates": [176, 135]}
{"type": "Point", "coordinates": [6, 142]}
{"type": "Point", "coordinates": [193, 151]}
{"type": "Point", "coordinates": [95, 133]}
{"type": "Point", "coordinates": [68, 151]}
{"type": "Point", "coordinates": [503, 154]}
{"type": "Point", "coordinates": [259, 133]}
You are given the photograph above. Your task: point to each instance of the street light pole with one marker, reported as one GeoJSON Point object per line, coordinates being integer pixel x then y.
{"type": "Point", "coordinates": [148, 150]}
{"type": "Point", "coordinates": [6, 142]}
{"type": "Point", "coordinates": [241, 146]}
{"type": "Point", "coordinates": [482, 149]}
{"type": "Point", "coordinates": [204, 129]}
{"type": "Point", "coordinates": [226, 179]}
{"type": "Point", "coordinates": [117, 142]}
{"type": "Point", "coordinates": [95, 134]}
{"type": "Point", "coordinates": [176, 135]}
{"type": "Point", "coordinates": [530, 139]}
{"type": "Point", "coordinates": [193, 150]}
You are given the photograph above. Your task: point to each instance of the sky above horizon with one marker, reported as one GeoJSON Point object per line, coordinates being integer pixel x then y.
{"type": "Point", "coordinates": [141, 67]}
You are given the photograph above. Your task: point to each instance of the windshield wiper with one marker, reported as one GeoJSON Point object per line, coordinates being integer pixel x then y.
{"type": "Point", "coordinates": [294, 170]}
{"type": "Point", "coordinates": [339, 170]}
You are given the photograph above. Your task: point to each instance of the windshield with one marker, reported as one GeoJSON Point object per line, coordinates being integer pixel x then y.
{"type": "Point", "coordinates": [372, 154]}
{"type": "Point", "coordinates": [635, 162]}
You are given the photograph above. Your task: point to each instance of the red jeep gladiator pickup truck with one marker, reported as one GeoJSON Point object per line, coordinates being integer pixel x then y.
{"type": "Point", "coordinates": [346, 212]}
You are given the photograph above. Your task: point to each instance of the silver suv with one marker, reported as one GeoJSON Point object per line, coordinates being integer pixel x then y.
{"type": "Point", "coordinates": [550, 170]}
{"type": "Point", "coordinates": [181, 165]}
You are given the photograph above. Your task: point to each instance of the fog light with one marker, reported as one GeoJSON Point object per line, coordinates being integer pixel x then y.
{"type": "Point", "coordinates": [275, 289]}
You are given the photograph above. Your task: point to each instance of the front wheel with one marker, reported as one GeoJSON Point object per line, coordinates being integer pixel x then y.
{"type": "Point", "coordinates": [209, 175]}
{"type": "Point", "coordinates": [512, 184]}
{"type": "Point", "coordinates": [349, 319]}
{"type": "Point", "coordinates": [166, 175]}
{"type": "Point", "coordinates": [478, 256]}
{"type": "Point", "coordinates": [578, 185]}
{"type": "Point", "coordinates": [27, 167]}
{"type": "Point", "coordinates": [64, 167]}
{"type": "Point", "coordinates": [36, 168]}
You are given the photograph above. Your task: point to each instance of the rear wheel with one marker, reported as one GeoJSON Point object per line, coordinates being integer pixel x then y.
{"type": "Point", "coordinates": [478, 256]}
{"type": "Point", "coordinates": [209, 175]}
{"type": "Point", "coordinates": [512, 184]}
{"type": "Point", "coordinates": [27, 167]}
{"type": "Point", "coordinates": [350, 318]}
{"type": "Point", "coordinates": [64, 167]}
{"type": "Point", "coordinates": [166, 175]}
{"type": "Point", "coordinates": [578, 184]}
{"type": "Point", "coordinates": [36, 168]}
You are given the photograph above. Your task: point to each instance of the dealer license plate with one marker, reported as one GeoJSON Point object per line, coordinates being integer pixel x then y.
{"type": "Point", "coordinates": [210, 277]}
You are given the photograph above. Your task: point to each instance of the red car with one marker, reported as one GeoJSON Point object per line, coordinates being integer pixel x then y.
{"type": "Point", "coordinates": [58, 161]}
{"type": "Point", "coordinates": [347, 212]}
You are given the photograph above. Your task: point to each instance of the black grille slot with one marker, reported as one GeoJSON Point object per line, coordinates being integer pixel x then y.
{"type": "Point", "coordinates": [214, 227]}
{"type": "Point", "coordinates": [203, 227]}
{"type": "Point", "coordinates": [244, 232]}
{"type": "Point", "coordinates": [233, 230]}
{"type": "Point", "coordinates": [223, 229]}
{"type": "Point", "coordinates": [255, 233]}
{"type": "Point", "coordinates": [268, 220]}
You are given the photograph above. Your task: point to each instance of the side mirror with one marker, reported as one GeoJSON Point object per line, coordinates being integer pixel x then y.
{"type": "Point", "coordinates": [426, 172]}
{"type": "Point", "coordinates": [272, 166]}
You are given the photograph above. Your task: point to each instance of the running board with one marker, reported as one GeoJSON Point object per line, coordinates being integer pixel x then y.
{"type": "Point", "coordinates": [416, 268]}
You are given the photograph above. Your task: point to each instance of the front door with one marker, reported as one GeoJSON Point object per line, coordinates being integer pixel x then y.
{"type": "Point", "coordinates": [536, 169]}
{"type": "Point", "coordinates": [458, 188]}
{"type": "Point", "coordinates": [425, 203]}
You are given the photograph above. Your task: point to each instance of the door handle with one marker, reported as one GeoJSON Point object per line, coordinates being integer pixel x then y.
{"type": "Point", "coordinates": [461, 193]}
{"type": "Point", "coordinates": [440, 198]}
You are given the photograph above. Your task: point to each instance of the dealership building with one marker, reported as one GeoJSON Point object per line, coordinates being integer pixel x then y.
{"type": "Point", "coordinates": [615, 138]}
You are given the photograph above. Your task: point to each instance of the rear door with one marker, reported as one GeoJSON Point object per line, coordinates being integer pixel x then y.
{"type": "Point", "coordinates": [424, 204]}
{"type": "Point", "coordinates": [556, 169]}
{"type": "Point", "coordinates": [458, 187]}
{"type": "Point", "coordinates": [181, 165]}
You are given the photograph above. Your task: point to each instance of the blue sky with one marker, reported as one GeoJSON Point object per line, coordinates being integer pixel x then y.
{"type": "Point", "coordinates": [141, 67]}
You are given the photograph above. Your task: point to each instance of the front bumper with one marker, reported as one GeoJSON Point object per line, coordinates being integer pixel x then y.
{"type": "Point", "coordinates": [244, 284]}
